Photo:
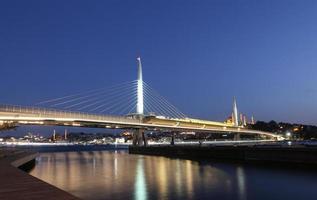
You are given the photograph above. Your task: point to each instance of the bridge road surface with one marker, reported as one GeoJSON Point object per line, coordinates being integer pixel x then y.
{"type": "Point", "coordinates": [40, 116]}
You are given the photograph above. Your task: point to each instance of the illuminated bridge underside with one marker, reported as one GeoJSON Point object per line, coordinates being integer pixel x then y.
{"type": "Point", "coordinates": [38, 116]}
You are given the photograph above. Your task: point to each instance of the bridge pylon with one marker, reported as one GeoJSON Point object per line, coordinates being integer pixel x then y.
{"type": "Point", "coordinates": [140, 102]}
{"type": "Point", "coordinates": [236, 136]}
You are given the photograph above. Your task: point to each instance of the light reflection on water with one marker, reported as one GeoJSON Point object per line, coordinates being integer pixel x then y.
{"type": "Point", "coordinates": [140, 186]}
{"type": "Point", "coordinates": [118, 175]}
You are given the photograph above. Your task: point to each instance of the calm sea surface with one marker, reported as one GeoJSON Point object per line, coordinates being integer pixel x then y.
{"type": "Point", "coordinates": [117, 175]}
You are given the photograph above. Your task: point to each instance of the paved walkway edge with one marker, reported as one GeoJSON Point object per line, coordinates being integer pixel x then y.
{"type": "Point", "coordinates": [17, 184]}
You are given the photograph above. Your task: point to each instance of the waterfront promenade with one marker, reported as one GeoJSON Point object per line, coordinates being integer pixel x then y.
{"type": "Point", "coordinates": [17, 184]}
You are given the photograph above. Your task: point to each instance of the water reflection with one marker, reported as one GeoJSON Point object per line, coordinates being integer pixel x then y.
{"type": "Point", "coordinates": [115, 164]}
{"type": "Point", "coordinates": [241, 183]}
{"type": "Point", "coordinates": [118, 175]}
{"type": "Point", "coordinates": [140, 185]}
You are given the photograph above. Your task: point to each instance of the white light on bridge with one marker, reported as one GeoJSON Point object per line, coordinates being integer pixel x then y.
{"type": "Point", "coordinates": [76, 124]}
{"type": "Point", "coordinates": [30, 122]}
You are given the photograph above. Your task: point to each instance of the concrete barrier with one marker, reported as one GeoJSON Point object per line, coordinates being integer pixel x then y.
{"type": "Point", "coordinates": [267, 154]}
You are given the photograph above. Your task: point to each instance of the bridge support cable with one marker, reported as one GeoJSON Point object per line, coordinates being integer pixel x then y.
{"type": "Point", "coordinates": [99, 108]}
{"type": "Point", "coordinates": [96, 100]}
{"type": "Point", "coordinates": [118, 98]}
{"type": "Point", "coordinates": [83, 105]}
{"type": "Point", "coordinates": [93, 100]}
{"type": "Point", "coordinates": [150, 109]}
{"type": "Point", "coordinates": [156, 105]}
{"type": "Point", "coordinates": [111, 97]}
{"type": "Point", "coordinates": [127, 109]}
{"type": "Point", "coordinates": [102, 93]}
{"type": "Point", "coordinates": [45, 102]}
{"type": "Point", "coordinates": [70, 102]}
{"type": "Point", "coordinates": [156, 111]}
{"type": "Point", "coordinates": [163, 102]}
{"type": "Point", "coordinates": [153, 105]}
{"type": "Point", "coordinates": [127, 102]}
{"type": "Point", "coordinates": [132, 109]}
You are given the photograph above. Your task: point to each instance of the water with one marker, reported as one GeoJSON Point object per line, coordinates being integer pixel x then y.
{"type": "Point", "coordinates": [117, 175]}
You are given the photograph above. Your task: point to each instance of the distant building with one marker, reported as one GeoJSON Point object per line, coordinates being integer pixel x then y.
{"type": "Point", "coordinates": [120, 140]}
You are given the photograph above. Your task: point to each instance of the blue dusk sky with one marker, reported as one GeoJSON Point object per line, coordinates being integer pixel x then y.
{"type": "Point", "coordinates": [197, 54]}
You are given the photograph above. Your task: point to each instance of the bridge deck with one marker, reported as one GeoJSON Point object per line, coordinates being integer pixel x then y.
{"type": "Point", "coordinates": [24, 115]}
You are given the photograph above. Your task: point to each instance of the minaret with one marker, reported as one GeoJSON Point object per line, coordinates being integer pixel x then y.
{"type": "Point", "coordinates": [245, 120]}
{"type": "Point", "coordinates": [252, 120]}
{"type": "Point", "coordinates": [140, 106]}
{"type": "Point", "coordinates": [241, 119]}
{"type": "Point", "coordinates": [54, 135]}
{"type": "Point", "coordinates": [65, 134]}
{"type": "Point", "coordinates": [235, 113]}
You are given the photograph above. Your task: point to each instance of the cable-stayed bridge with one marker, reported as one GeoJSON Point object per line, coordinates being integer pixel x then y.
{"type": "Point", "coordinates": [130, 105]}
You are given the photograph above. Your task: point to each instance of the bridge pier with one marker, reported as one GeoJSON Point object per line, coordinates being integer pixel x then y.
{"type": "Point", "coordinates": [173, 139]}
{"type": "Point", "coordinates": [139, 138]}
{"type": "Point", "coordinates": [236, 137]}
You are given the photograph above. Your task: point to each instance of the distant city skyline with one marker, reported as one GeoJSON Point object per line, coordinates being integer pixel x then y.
{"type": "Point", "coordinates": [198, 54]}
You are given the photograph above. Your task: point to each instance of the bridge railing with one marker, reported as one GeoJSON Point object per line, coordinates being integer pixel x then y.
{"type": "Point", "coordinates": [50, 112]}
